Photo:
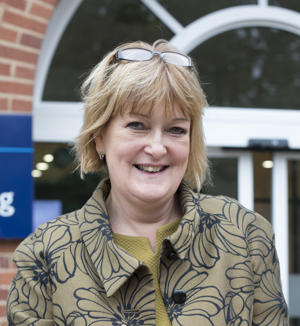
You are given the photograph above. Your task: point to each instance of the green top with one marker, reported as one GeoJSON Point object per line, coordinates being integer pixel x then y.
{"type": "Point", "coordinates": [140, 248]}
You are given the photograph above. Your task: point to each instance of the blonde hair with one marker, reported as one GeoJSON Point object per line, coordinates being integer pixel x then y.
{"type": "Point", "coordinates": [114, 86]}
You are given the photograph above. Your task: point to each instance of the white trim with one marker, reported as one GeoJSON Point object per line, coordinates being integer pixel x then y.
{"type": "Point", "coordinates": [233, 127]}
{"type": "Point", "coordinates": [245, 180]}
{"type": "Point", "coordinates": [163, 15]}
{"type": "Point", "coordinates": [223, 127]}
{"type": "Point", "coordinates": [263, 3]}
{"type": "Point", "coordinates": [227, 19]}
{"type": "Point", "coordinates": [57, 121]}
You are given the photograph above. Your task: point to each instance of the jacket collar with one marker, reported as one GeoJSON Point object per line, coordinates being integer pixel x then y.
{"type": "Point", "coordinates": [182, 238]}
{"type": "Point", "coordinates": [113, 264]}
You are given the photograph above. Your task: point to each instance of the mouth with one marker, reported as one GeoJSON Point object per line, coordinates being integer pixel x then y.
{"type": "Point", "coordinates": [151, 168]}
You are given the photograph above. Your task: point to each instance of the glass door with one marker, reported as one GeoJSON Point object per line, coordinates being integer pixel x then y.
{"type": "Point", "coordinates": [286, 223]}
{"type": "Point", "coordinates": [269, 183]}
{"type": "Point", "coordinates": [232, 175]}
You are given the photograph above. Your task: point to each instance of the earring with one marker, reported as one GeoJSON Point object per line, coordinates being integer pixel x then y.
{"type": "Point", "coordinates": [101, 154]}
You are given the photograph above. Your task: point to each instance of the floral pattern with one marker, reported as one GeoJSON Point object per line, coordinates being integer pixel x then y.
{"type": "Point", "coordinates": [70, 271]}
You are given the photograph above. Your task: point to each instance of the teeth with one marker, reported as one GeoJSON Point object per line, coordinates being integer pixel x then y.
{"type": "Point", "coordinates": [151, 169]}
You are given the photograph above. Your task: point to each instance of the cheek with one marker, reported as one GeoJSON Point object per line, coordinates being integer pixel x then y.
{"type": "Point", "coordinates": [123, 151]}
{"type": "Point", "coordinates": [181, 152]}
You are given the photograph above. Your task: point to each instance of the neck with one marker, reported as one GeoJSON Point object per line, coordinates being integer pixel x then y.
{"type": "Point", "coordinates": [141, 219]}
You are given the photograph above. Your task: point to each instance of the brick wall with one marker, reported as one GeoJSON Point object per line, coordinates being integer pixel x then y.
{"type": "Point", "coordinates": [7, 272]}
{"type": "Point", "coordinates": [22, 27]}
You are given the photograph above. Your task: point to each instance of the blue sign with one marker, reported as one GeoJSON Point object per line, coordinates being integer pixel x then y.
{"type": "Point", "coordinates": [16, 185]}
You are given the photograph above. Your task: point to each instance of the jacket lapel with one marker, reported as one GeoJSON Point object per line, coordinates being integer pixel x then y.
{"type": "Point", "coordinates": [112, 263]}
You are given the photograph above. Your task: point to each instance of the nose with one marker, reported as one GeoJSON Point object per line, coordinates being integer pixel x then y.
{"type": "Point", "coordinates": [155, 146]}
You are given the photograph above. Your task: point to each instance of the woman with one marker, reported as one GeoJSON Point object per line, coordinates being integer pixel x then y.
{"type": "Point", "coordinates": [146, 249]}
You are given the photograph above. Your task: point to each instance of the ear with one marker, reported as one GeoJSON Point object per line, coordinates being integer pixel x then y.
{"type": "Point", "coordinates": [98, 138]}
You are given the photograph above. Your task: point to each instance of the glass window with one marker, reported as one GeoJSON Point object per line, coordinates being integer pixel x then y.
{"type": "Point", "coordinates": [58, 180]}
{"type": "Point", "coordinates": [262, 164]}
{"type": "Point", "coordinates": [295, 322]}
{"type": "Point", "coordinates": [294, 238]}
{"type": "Point", "coordinates": [290, 4]}
{"type": "Point", "coordinates": [189, 10]}
{"type": "Point", "coordinates": [95, 29]}
{"type": "Point", "coordinates": [224, 177]}
{"type": "Point", "coordinates": [251, 67]}
{"type": "Point", "coordinates": [294, 215]}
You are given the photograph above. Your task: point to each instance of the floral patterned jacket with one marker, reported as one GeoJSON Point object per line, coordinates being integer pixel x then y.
{"type": "Point", "coordinates": [219, 268]}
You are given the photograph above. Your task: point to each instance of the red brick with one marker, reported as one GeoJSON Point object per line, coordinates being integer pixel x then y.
{"type": "Point", "coordinates": [15, 88]}
{"type": "Point", "coordinates": [4, 69]}
{"type": "Point", "coordinates": [25, 22]}
{"type": "Point", "coordinates": [52, 2]}
{"type": "Point", "coordinates": [4, 261]}
{"type": "Point", "coordinates": [4, 323]}
{"type": "Point", "coordinates": [20, 4]}
{"type": "Point", "coordinates": [26, 73]}
{"type": "Point", "coordinates": [2, 310]}
{"type": "Point", "coordinates": [3, 294]}
{"type": "Point", "coordinates": [30, 40]}
{"type": "Point", "coordinates": [8, 34]}
{"type": "Point", "coordinates": [16, 54]}
{"type": "Point", "coordinates": [6, 278]}
{"type": "Point", "coordinates": [20, 105]}
{"type": "Point", "coordinates": [41, 11]}
{"type": "Point", "coordinates": [8, 246]}
{"type": "Point", "coordinates": [3, 104]}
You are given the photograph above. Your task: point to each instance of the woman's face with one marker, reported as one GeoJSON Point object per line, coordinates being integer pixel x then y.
{"type": "Point", "coordinates": [146, 154]}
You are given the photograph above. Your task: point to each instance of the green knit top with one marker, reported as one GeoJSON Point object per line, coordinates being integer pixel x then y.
{"type": "Point", "coordinates": [140, 248]}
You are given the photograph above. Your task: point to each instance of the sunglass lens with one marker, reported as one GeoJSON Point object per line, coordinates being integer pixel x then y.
{"type": "Point", "coordinates": [136, 54]}
{"type": "Point", "coordinates": [176, 59]}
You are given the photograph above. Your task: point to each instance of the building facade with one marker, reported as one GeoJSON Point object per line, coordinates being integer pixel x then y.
{"type": "Point", "coordinates": [248, 56]}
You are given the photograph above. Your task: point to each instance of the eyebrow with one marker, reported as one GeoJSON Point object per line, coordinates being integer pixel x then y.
{"type": "Point", "coordinates": [147, 116]}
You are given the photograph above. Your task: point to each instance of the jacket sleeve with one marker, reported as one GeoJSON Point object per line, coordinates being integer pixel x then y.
{"type": "Point", "coordinates": [269, 306]}
{"type": "Point", "coordinates": [29, 300]}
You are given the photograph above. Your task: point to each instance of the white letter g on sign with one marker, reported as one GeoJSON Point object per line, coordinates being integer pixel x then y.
{"type": "Point", "coordinates": [6, 199]}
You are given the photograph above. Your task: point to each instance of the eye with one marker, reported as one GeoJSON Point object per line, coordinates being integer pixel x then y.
{"type": "Point", "coordinates": [177, 131]}
{"type": "Point", "coordinates": [136, 125]}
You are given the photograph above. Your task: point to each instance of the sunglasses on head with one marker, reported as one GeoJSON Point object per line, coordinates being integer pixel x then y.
{"type": "Point", "coordinates": [140, 54]}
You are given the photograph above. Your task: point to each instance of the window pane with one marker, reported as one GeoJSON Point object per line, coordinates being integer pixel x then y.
{"type": "Point", "coordinates": [95, 29]}
{"type": "Point", "coordinates": [294, 238]}
{"type": "Point", "coordinates": [189, 10]}
{"type": "Point", "coordinates": [262, 164]}
{"type": "Point", "coordinates": [294, 215]}
{"type": "Point", "coordinates": [290, 4]}
{"type": "Point", "coordinates": [59, 182]}
{"type": "Point", "coordinates": [251, 67]}
{"type": "Point", "coordinates": [224, 177]}
{"type": "Point", "coordinates": [295, 322]}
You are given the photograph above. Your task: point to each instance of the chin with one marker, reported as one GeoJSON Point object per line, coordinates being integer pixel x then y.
{"type": "Point", "coordinates": [151, 193]}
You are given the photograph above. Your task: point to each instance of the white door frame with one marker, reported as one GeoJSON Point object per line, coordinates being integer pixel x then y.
{"type": "Point", "coordinates": [280, 212]}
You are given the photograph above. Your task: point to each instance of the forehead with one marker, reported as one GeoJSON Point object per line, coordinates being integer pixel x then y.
{"type": "Point", "coordinates": [169, 111]}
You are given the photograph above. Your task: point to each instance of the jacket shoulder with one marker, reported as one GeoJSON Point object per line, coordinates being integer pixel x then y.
{"type": "Point", "coordinates": [50, 239]}
{"type": "Point", "coordinates": [229, 210]}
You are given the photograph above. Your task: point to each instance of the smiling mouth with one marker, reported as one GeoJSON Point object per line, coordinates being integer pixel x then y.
{"type": "Point", "coordinates": [151, 168]}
